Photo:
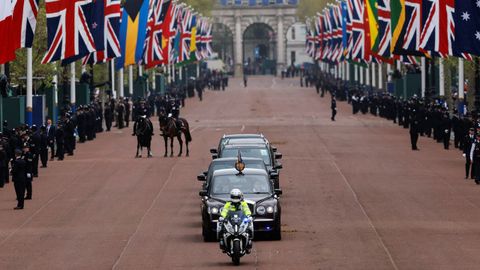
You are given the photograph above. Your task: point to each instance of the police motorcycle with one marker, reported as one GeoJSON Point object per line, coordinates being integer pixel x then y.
{"type": "Point", "coordinates": [235, 233]}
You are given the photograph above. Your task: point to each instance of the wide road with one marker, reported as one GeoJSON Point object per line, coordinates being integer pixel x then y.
{"type": "Point", "coordinates": [355, 195]}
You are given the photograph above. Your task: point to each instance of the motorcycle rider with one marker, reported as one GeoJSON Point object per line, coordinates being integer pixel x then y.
{"type": "Point", "coordinates": [236, 203]}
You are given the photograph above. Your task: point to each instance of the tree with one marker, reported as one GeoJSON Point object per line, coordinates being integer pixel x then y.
{"type": "Point", "coordinates": [309, 8]}
{"type": "Point", "coordinates": [202, 6]}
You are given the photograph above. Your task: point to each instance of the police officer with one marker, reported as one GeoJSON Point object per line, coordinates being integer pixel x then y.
{"type": "Point", "coordinates": [334, 108]}
{"type": "Point", "coordinates": [414, 130]}
{"type": "Point", "coordinates": [28, 156]}
{"type": "Point", "coordinates": [446, 129]}
{"type": "Point", "coordinates": [60, 138]}
{"type": "Point", "coordinates": [43, 146]}
{"type": "Point", "coordinates": [475, 155]}
{"type": "Point", "coordinates": [19, 178]}
{"type": "Point", "coordinates": [468, 142]}
{"type": "Point", "coordinates": [34, 142]}
{"type": "Point", "coordinates": [127, 111]}
{"type": "Point", "coordinates": [108, 115]}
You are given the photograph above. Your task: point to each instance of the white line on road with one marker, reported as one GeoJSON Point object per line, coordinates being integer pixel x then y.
{"type": "Point", "coordinates": [243, 128]}
{"type": "Point", "coordinates": [274, 82]}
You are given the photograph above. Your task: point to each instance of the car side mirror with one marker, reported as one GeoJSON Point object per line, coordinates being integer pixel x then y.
{"type": "Point", "coordinates": [203, 193]}
{"type": "Point", "coordinates": [279, 166]}
{"type": "Point", "coordinates": [278, 156]}
{"type": "Point", "coordinates": [278, 192]}
{"type": "Point", "coordinates": [213, 151]}
{"type": "Point", "coordinates": [201, 177]}
{"type": "Point", "coordinates": [274, 175]}
{"type": "Point", "coordinates": [274, 149]}
{"type": "Point", "coordinates": [205, 173]}
{"type": "Point", "coordinates": [214, 156]}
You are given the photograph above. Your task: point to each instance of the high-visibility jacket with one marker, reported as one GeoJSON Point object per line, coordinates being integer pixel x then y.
{"type": "Point", "coordinates": [230, 207]}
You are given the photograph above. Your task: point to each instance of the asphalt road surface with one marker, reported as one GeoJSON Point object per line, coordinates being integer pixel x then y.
{"type": "Point", "coordinates": [355, 195]}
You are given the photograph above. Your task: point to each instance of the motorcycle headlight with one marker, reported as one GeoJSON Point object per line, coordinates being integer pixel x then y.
{"type": "Point", "coordinates": [214, 210]}
{"type": "Point", "coordinates": [270, 209]}
{"type": "Point", "coordinates": [261, 210]}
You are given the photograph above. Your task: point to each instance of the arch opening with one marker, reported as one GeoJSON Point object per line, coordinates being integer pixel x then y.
{"type": "Point", "coordinates": [259, 49]}
{"type": "Point", "coordinates": [223, 44]}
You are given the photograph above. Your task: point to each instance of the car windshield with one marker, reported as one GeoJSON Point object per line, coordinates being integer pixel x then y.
{"type": "Point", "coordinates": [248, 152]}
{"type": "Point", "coordinates": [248, 184]}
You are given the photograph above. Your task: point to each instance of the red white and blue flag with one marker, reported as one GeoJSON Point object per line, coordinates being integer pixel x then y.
{"type": "Point", "coordinates": [25, 22]}
{"type": "Point", "coordinates": [69, 34]}
{"type": "Point", "coordinates": [111, 45]}
{"type": "Point", "coordinates": [357, 8]}
{"type": "Point", "coordinates": [384, 30]}
{"type": "Point", "coordinates": [438, 33]}
{"type": "Point", "coordinates": [409, 42]}
{"type": "Point", "coordinates": [154, 55]}
{"type": "Point", "coordinates": [7, 50]}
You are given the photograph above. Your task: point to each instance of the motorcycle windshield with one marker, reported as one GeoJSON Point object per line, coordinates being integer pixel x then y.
{"type": "Point", "coordinates": [236, 218]}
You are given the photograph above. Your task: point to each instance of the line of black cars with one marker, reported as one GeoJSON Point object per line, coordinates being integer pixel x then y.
{"type": "Point", "coordinates": [259, 182]}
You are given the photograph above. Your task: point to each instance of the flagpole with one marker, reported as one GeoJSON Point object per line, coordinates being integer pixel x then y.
{"type": "Point", "coordinates": [130, 80]}
{"type": "Point", "coordinates": [360, 70]}
{"type": "Point", "coordinates": [424, 78]}
{"type": "Point", "coordinates": [154, 83]}
{"type": "Point", "coordinates": [380, 77]}
{"type": "Point", "coordinates": [461, 79]}
{"type": "Point", "coordinates": [121, 86]}
{"type": "Point", "coordinates": [112, 71]}
{"type": "Point", "coordinates": [389, 73]}
{"type": "Point", "coordinates": [73, 97]}
{"type": "Point", "coordinates": [374, 81]}
{"type": "Point", "coordinates": [355, 72]}
{"type": "Point", "coordinates": [367, 76]}
{"type": "Point", "coordinates": [2, 69]}
{"type": "Point", "coordinates": [29, 101]}
{"type": "Point", "coordinates": [441, 77]}
{"type": "Point", "coordinates": [55, 95]}
{"type": "Point", "coordinates": [347, 65]}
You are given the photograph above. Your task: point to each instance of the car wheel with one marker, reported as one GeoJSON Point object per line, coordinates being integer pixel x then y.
{"type": "Point", "coordinates": [277, 231]}
{"type": "Point", "coordinates": [208, 235]}
{"type": "Point", "coordinates": [276, 184]}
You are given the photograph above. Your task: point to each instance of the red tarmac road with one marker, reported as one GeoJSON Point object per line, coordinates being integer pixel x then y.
{"type": "Point", "coordinates": [355, 195]}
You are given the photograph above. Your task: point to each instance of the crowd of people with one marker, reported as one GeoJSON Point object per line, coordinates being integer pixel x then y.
{"type": "Point", "coordinates": [24, 149]}
{"type": "Point", "coordinates": [423, 117]}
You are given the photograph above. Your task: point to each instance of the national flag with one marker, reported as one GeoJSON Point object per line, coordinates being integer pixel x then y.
{"type": "Point", "coordinates": [372, 21]}
{"type": "Point", "coordinates": [438, 34]}
{"type": "Point", "coordinates": [193, 39]}
{"type": "Point", "coordinates": [176, 38]}
{"type": "Point", "coordinates": [111, 44]}
{"type": "Point", "coordinates": [199, 39]}
{"type": "Point", "coordinates": [68, 29]}
{"type": "Point", "coordinates": [208, 40]}
{"type": "Point", "coordinates": [168, 32]}
{"type": "Point", "coordinates": [154, 51]}
{"type": "Point", "coordinates": [346, 29]}
{"type": "Point", "coordinates": [133, 31]}
{"type": "Point", "coordinates": [186, 35]}
{"type": "Point", "coordinates": [385, 32]}
{"type": "Point", "coordinates": [467, 30]}
{"type": "Point", "coordinates": [7, 50]}
{"type": "Point", "coordinates": [309, 42]}
{"type": "Point", "coordinates": [327, 51]}
{"type": "Point", "coordinates": [358, 52]}
{"type": "Point", "coordinates": [397, 20]}
{"type": "Point", "coordinates": [409, 37]}
{"type": "Point", "coordinates": [95, 20]}
{"type": "Point", "coordinates": [319, 38]}
{"type": "Point", "coordinates": [24, 23]}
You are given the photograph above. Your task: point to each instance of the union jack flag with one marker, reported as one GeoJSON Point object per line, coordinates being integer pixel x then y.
{"type": "Point", "coordinates": [357, 8]}
{"type": "Point", "coordinates": [207, 39]}
{"type": "Point", "coordinates": [154, 47]}
{"type": "Point", "coordinates": [68, 30]}
{"type": "Point", "coordinates": [186, 36]}
{"type": "Point", "coordinates": [111, 43]}
{"type": "Point", "coordinates": [327, 51]}
{"type": "Point", "coordinates": [319, 37]}
{"type": "Point", "coordinates": [438, 34]}
{"type": "Point", "coordinates": [411, 30]}
{"type": "Point", "coordinates": [310, 42]}
{"type": "Point", "coordinates": [25, 22]}
{"type": "Point", "coordinates": [385, 31]}
{"type": "Point", "coordinates": [199, 53]}
{"type": "Point", "coordinates": [175, 31]}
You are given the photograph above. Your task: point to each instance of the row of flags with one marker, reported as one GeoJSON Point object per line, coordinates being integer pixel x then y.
{"type": "Point", "coordinates": [148, 32]}
{"type": "Point", "coordinates": [366, 31]}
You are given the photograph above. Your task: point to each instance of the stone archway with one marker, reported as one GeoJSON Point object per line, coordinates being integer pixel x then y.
{"type": "Point", "coordinates": [259, 49]}
{"type": "Point", "coordinates": [223, 45]}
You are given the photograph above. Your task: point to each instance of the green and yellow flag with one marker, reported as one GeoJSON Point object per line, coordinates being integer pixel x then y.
{"type": "Point", "coordinates": [397, 18]}
{"type": "Point", "coordinates": [372, 12]}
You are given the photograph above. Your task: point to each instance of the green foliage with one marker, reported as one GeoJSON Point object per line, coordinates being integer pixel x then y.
{"type": "Point", "coordinates": [203, 7]}
{"type": "Point", "coordinates": [309, 8]}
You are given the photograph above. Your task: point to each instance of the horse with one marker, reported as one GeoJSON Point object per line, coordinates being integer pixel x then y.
{"type": "Point", "coordinates": [143, 129]}
{"type": "Point", "coordinates": [170, 129]}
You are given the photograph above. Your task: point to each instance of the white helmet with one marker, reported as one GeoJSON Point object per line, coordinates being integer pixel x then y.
{"type": "Point", "coordinates": [236, 195]}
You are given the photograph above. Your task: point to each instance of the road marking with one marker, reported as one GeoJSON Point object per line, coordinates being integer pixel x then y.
{"type": "Point", "coordinates": [243, 128]}
{"type": "Point", "coordinates": [355, 196]}
{"type": "Point", "coordinates": [274, 82]}
{"type": "Point", "coordinates": [41, 208]}
{"type": "Point", "coordinates": [130, 239]}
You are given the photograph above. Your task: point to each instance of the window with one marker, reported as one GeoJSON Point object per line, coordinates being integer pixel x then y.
{"type": "Point", "coordinates": [293, 33]}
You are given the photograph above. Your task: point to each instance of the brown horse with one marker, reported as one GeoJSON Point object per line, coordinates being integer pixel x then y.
{"type": "Point", "coordinates": [172, 128]}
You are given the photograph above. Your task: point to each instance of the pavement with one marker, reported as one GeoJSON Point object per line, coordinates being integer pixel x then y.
{"type": "Point", "coordinates": [355, 195]}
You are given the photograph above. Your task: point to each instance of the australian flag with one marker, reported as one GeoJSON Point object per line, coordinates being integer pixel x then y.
{"type": "Point", "coordinates": [467, 27]}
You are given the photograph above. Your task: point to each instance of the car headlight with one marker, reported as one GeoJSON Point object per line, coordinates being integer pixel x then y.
{"type": "Point", "coordinates": [261, 210]}
{"type": "Point", "coordinates": [214, 210]}
{"type": "Point", "coordinates": [270, 209]}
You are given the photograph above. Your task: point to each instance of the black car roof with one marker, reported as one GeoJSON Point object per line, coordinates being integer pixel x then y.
{"type": "Point", "coordinates": [218, 160]}
{"type": "Point", "coordinates": [246, 171]}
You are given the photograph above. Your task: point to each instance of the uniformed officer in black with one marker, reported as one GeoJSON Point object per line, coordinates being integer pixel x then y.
{"type": "Point", "coordinates": [446, 129]}
{"type": "Point", "coordinates": [475, 155]}
{"type": "Point", "coordinates": [19, 178]}
{"type": "Point", "coordinates": [467, 150]}
{"type": "Point", "coordinates": [34, 142]}
{"type": "Point", "coordinates": [414, 130]}
{"type": "Point", "coordinates": [28, 156]}
{"type": "Point", "coordinates": [43, 146]}
{"type": "Point", "coordinates": [60, 138]}
{"type": "Point", "coordinates": [333, 107]}
{"type": "Point", "coordinates": [108, 115]}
